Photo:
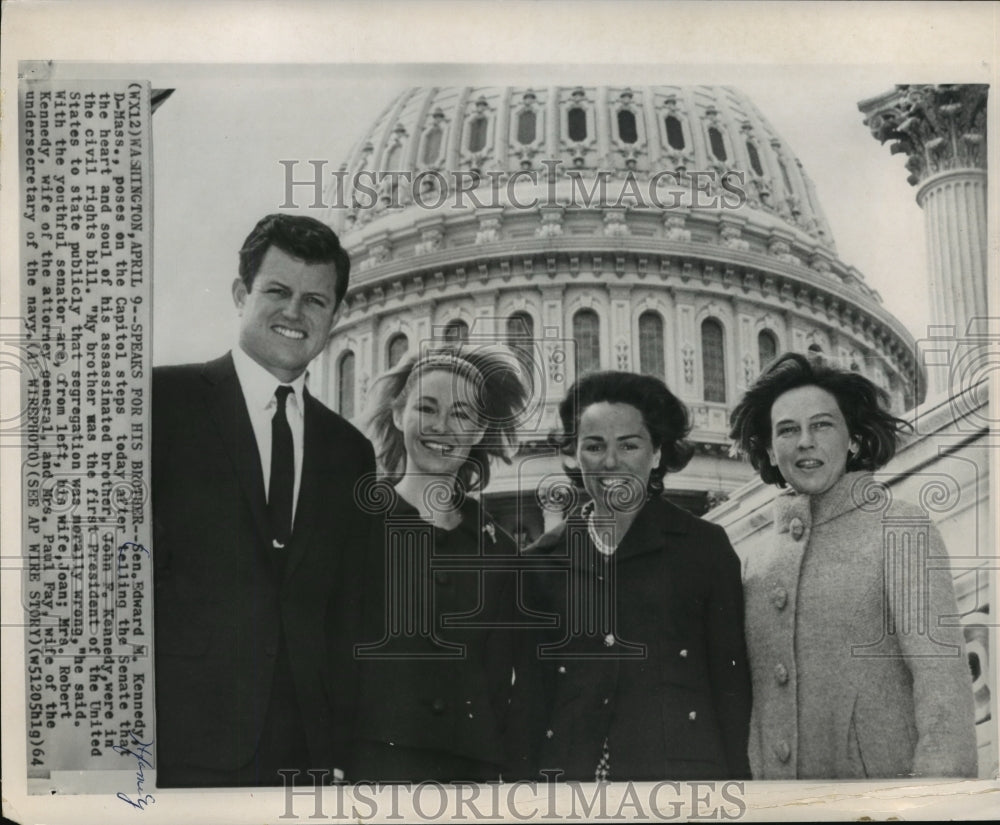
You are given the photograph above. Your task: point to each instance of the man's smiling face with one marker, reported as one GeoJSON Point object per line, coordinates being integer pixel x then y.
{"type": "Point", "coordinates": [287, 314]}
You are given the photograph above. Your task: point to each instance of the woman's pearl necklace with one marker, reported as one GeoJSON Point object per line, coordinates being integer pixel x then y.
{"type": "Point", "coordinates": [602, 546]}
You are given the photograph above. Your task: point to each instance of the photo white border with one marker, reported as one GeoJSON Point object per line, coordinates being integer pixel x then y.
{"type": "Point", "coordinates": [931, 42]}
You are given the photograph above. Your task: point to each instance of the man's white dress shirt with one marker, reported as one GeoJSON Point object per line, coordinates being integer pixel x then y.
{"type": "Point", "coordinates": [258, 387]}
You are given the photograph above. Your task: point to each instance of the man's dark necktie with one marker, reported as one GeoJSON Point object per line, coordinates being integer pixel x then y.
{"type": "Point", "coordinates": [281, 488]}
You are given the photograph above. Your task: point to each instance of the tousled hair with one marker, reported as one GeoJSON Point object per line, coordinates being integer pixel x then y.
{"type": "Point", "coordinates": [302, 237]}
{"type": "Point", "coordinates": [863, 405]}
{"type": "Point", "coordinates": [500, 394]}
{"type": "Point", "coordinates": [663, 414]}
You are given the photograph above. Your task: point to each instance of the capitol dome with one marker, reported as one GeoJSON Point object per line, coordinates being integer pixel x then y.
{"type": "Point", "coordinates": [667, 230]}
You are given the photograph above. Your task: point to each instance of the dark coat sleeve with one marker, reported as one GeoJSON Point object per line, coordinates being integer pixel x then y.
{"type": "Point", "coordinates": [531, 697]}
{"type": "Point", "coordinates": [345, 610]}
{"type": "Point", "coordinates": [729, 669]}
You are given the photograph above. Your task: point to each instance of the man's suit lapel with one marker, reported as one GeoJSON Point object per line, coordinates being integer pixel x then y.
{"type": "Point", "coordinates": [232, 421]}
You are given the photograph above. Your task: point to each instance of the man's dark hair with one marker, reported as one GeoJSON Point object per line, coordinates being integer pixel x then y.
{"type": "Point", "coordinates": [663, 414]}
{"type": "Point", "coordinates": [304, 238]}
{"type": "Point", "coordinates": [863, 405]}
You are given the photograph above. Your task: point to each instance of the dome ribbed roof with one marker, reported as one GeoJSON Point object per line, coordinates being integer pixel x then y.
{"type": "Point", "coordinates": [498, 142]}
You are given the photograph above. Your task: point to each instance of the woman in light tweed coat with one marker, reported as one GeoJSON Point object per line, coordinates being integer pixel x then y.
{"type": "Point", "coordinates": [853, 633]}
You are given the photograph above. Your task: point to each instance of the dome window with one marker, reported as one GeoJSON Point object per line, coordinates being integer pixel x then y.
{"type": "Point", "coordinates": [675, 133]}
{"type": "Point", "coordinates": [520, 329]}
{"type": "Point", "coordinates": [576, 122]}
{"type": "Point", "coordinates": [457, 332]}
{"type": "Point", "coordinates": [651, 361]}
{"type": "Point", "coordinates": [717, 143]}
{"type": "Point", "coordinates": [398, 345]}
{"type": "Point", "coordinates": [626, 127]}
{"type": "Point", "coordinates": [477, 134]}
{"type": "Point", "coordinates": [526, 126]}
{"type": "Point", "coordinates": [392, 159]}
{"type": "Point", "coordinates": [520, 336]}
{"type": "Point", "coordinates": [345, 387]}
{"type": "Point", "coordinates": [587, 333]}
{"type": "Point", "coordinates": [713, 361]}
{"type": "Point", "coordinates": [767, 348]}
{"type": "Point", "coordinates": [784, 176]}
{"type": "Point", "coordinates": [432, 145]}
{"type": "Point", "coordinates": [754, 159]}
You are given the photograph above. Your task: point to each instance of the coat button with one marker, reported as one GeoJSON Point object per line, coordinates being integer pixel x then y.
{"type": "Point", "coordinates": [683, 654]}
{"type": "Point", "coordinates": [438, 706]}
{"type": "Point", "coordinates": [561, 669]}
{"type": "Point", "coordinates": [609, 640]}
{"type": "Point", "coordinates": [779, 597]}
{"type": "Point", "coordinates": [693, 715]}
{"type": "Point", "coordinates": [605, 700]}
{"type": "Point", "coordinates": [782, 751]}
{"type": "Point", "coordinates": [780, 673]}
{"type": "Point", "coordinates": [797, 528]}
{"type": "Point", "coordinates": [549, 733]}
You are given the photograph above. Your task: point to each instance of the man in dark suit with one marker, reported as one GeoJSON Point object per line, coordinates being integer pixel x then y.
{"type": "Point", "coordinates": [254, 526]}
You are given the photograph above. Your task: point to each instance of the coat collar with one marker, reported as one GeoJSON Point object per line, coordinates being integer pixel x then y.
{"type": "Point", "coordinates": [657, 522]}
{"type": "Point", "coordinates": [845, 495]}
{"type": "Point", "coordinates": [219, 371]}
{"type": "Point", "coordinates": [477, 525]}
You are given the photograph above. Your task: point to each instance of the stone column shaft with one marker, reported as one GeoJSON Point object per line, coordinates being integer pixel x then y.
{"type": "Point", "coordinates": [954, 205]}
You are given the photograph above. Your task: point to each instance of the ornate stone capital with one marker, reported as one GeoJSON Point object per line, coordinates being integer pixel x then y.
{"type": "Point", "coordinates": [940, 128]}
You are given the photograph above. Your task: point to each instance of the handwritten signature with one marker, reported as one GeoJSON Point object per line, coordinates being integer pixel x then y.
{"type": "Point", "coordinates": [142, 756]}
{"type": "Point", "coordinates": [129, 545]}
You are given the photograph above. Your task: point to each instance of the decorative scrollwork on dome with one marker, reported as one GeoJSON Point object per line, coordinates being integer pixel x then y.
{"type": "Point", "coordinates": [489, 229]}
{"type": "Point", "coordinates": [552, 221]}
{"type": "Point", "coordinates": [675, 228]}
{"type": "Point", "coordinates": [615, 225]}
{"type": "Point", "coordinates": [731, 237]}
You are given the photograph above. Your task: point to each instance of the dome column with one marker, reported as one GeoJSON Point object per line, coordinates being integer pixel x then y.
{"type": "Point", "coordinates": [620, 330]}
{"type": "Point", "coordinates": [942, 130]}
{"type": "Point", "coordinates": [554, 350]}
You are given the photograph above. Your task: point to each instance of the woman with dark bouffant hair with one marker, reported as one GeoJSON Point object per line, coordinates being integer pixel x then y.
{"type": "Point", "coordinates": [645, 676]}
{"type": "Point", "coordinates": [434, 695]}
{"type": "Point", "coordinates": [852, 627]}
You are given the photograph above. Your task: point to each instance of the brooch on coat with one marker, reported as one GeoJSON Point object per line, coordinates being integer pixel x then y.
{"type": "Point", "coordinates": [491, 531]}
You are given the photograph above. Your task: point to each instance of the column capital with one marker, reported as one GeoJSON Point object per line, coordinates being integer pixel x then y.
{"type": "Point", "coordinates": [939, 127]}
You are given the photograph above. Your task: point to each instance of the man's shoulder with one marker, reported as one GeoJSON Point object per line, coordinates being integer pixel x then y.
{"type": "Point", "coordinates": [336, 425]}
{"type": "Point", "coordinates": [187, 373]}
{"type": "Point", "coordinates": [328, 418]}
